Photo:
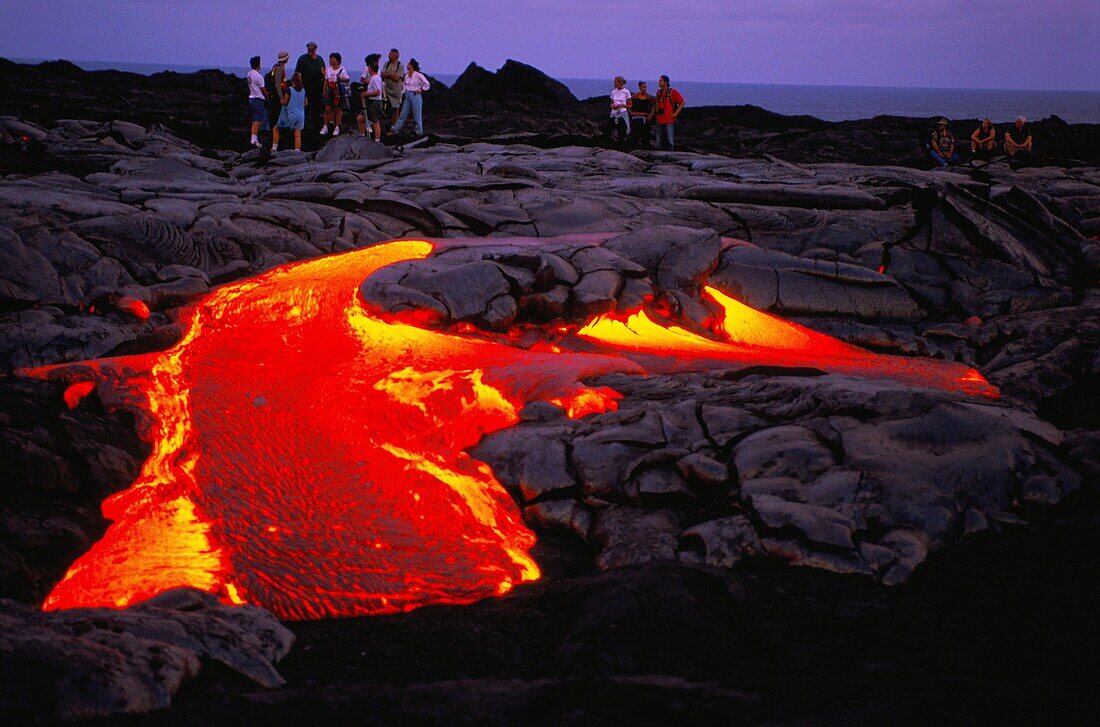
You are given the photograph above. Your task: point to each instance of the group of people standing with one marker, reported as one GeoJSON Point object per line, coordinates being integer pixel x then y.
{"type": "Point", "coordinates": [318, 94]}
{"type": "Point", "coordinates": [983, 141]}
{"type": "Point", "coordinates": [634, 115]}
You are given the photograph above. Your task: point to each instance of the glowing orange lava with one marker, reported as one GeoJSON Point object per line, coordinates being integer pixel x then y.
{"type": "Point", "coordinates": [309, 457]}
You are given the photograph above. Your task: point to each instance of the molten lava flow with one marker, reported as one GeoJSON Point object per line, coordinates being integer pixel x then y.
{"type": "Point", "coordinates": [753, 337]}
{"type": "Point", "coordinates": [310, 458]}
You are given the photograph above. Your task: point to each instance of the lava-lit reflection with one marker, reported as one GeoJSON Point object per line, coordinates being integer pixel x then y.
{"type": "Point", "coordinates": [309, 457]}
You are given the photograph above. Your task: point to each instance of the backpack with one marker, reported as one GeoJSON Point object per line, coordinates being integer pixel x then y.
{"type": "Point", "coordinates": [272, 86]}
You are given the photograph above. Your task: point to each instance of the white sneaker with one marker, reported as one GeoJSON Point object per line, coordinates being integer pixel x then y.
{"type": "Point", "coordinates": [336, 131]}
{"type": "Point", "coordinates": [298, 150]}
{"type": "Point", "coordinates": [274, 149]}
{"type": "Point", "coordinates": [324, 131]}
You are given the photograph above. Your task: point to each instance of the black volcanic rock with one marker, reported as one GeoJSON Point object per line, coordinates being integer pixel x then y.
{"type": "Point", "coordinates": [85, 663]}
{"type": "Point", "coordinates": [513, 80]}
{"type": "Point", "coordinates": [475, 82]}
{"type": "Point", "coordinates": [731, 475]}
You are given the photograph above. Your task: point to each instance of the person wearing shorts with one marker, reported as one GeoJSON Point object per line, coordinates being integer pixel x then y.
{"type": "Point", "coordinates": [337, 90]}
{"type": "Point", "coordinates": [372, 102]}
{"type": "Point", "coordinates": [293, 114]}
{"type": "Point", "coordinates": [257, 108]}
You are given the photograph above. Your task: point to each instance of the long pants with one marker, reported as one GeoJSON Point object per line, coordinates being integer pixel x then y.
{"type": "Point", "coordinates": [639, 131]}
{"type": "Point", "coordinates": [666, 137]}
{"type": "Point", "coordinates": [274, 108]}
{"type": "Point", "coordinates": [938, 158]}
{"type": "Point", "coordinates": [413, 104]}
{"type": "Point", "coordinates": [315, 109]}
{"type": "Point", "coordinates": [617, 128]}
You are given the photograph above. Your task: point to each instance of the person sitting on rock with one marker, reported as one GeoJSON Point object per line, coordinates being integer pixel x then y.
{"type": "Point", "coordinates": [372, 100]}
{"type": "Point", "coordinates": [337, 90]}
{"type": "Point", "coordinates": [984, 139]}
{"type": "Point", "coordinates": [641, 115]}
{"type": "Point", "coordinates": [619, 122]}
{"type": "Point", "coordinates": [293, 114]}
{"type": "Point", "coordinates": [943, 144]}
{"type": "Point", "coordinates": [669, 105]}
{"type": "Point", "coordinates": [416, 83]}
{"type": "Point", "coordinates": [256, 100]}
{"type": "Point", "coordinates": [1018, 137]}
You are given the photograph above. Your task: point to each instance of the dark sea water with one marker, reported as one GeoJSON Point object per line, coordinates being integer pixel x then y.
{"type": "Point", "coordinates": [831, 103]}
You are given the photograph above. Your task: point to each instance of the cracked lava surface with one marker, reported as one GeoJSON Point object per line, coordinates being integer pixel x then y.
{"type": "Point", "coordinates": [308, 456]}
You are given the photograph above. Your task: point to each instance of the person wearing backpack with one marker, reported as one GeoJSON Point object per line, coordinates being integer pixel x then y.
{"type": "Point", "coordinates": [275, 83]}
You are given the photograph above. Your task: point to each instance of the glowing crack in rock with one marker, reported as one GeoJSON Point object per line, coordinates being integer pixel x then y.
{"type": "Point", "coordinates": [308, 456]}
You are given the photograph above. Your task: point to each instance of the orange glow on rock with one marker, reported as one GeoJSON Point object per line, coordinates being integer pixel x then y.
{"type": "Point", "coordinates": [309, 457]}
{"type": "Point", "coordinates": [585, 401]}
{"type": "Point", "coordinates": [75, 393]}
{"type": "Point", "coordinates": [133, 306]}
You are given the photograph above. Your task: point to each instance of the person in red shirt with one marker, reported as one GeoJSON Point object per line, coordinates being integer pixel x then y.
{"type": "Point", "coordinates": [669, 105]}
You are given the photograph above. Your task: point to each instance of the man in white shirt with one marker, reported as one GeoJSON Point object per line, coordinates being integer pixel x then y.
{"type": "Point", "coordinates": [257, 96]}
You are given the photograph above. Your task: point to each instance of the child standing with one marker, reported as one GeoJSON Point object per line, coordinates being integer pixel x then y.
{"type": "Point", "coordinates": [293, 115]}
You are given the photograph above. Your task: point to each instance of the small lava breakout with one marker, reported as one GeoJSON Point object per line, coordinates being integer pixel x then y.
{"type": "Point", "coordinates": [308, 456]}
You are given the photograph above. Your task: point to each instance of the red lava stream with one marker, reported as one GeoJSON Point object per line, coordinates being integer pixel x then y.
{"type": "Point", "coordinates": [309, 458]}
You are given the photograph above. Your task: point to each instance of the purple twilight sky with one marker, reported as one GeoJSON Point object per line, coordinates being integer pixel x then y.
{"type": "Point", "coordinates": [940, 43]}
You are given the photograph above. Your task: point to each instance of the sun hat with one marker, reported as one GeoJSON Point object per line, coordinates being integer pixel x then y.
{"type": "Point", "coordinates": [311, 44]}
{"type": "Point", "coordinates": [942, 122]}
{"type": "Point", "coordinates": [284, 56]}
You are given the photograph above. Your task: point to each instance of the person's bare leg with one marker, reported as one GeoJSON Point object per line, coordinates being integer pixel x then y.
{"type": "Point", "coordinates": [377, 128]}
{"type": "Point", "coordinates": [362, 121]}
{"type": "Point", "coordinates": [255, 128]}
{"type": "Point", "coordinates": [275, 139]}
{"type": "Point", "coordinates": [339, 116]}
{"type": "Point", "coordinates": [298, 139]}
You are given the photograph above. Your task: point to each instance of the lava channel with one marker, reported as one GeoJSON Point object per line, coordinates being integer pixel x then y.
{"type": "Point", "coordinates": [308, 456]}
